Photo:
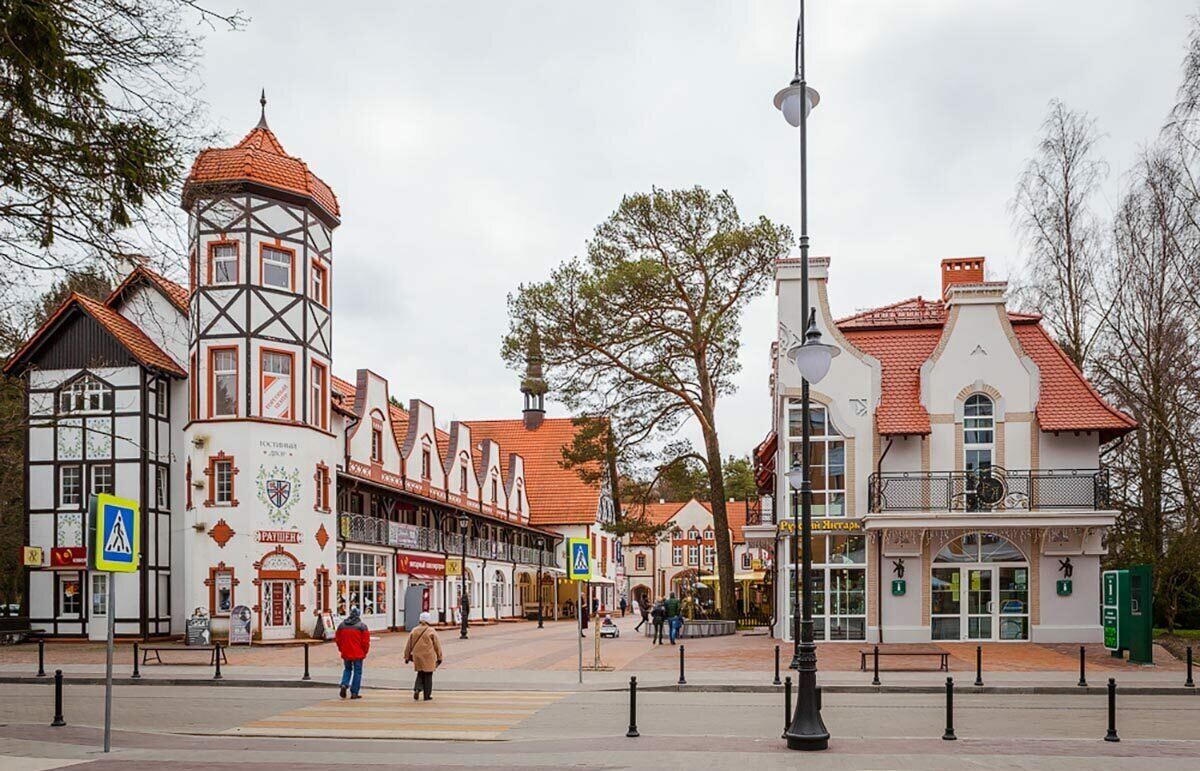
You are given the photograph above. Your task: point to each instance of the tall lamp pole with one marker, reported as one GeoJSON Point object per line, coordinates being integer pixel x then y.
{"type": "Point", "coordinates": [541, 544]}
{"type": "Point", "coordinates": [464, 603]}
{"type": "Point", "coordinates": [813, 358]}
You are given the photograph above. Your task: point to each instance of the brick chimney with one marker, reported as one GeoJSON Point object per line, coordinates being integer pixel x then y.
{"type": "Point", "coordinates": [961, 270]}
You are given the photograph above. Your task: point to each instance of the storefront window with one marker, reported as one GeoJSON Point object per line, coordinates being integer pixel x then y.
{"type": "Point", "coordinates": [362, 583]}
{"type": "Point", "coordinates": [979, 590]}
{"type": "Point", "coordinates": [827, 466]}
{"type": "Point", "coordinates": [839, 587]}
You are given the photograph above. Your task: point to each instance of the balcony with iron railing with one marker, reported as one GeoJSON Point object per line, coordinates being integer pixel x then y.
{"type": "Point", "coordinates": [363, 528]}
{"type": "Point", "coordinates": [991, 489]}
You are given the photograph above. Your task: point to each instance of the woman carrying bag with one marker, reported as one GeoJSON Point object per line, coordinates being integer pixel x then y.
{"type": "Point", "coordinates": [424, 650]}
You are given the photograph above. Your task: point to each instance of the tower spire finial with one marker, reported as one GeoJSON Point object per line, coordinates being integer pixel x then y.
{"type": "Point", "coordinates": [262, 118]}
{"type": "Point", "coordinates": [534, 385]}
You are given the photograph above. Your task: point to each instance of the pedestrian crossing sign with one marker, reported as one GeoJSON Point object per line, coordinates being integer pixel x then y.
{"type": "Point", "coordinates": [579, 562]}
{"type": "Point", "coordinates": [113, 524]}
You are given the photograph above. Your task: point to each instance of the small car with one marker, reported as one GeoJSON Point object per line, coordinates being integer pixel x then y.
{"type": "Point", "coordinates": [609, 629]}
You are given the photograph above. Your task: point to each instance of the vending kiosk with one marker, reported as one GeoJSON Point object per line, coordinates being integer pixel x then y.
{"type": "Point", "coordinates": [1127, 613]}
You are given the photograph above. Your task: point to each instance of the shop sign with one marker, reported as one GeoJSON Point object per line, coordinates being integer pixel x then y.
{"type": "Point", "coordinates": [1063, 586]}
{"type": "Point", "coordinates": [846, 525]}
{"type": "Point", "coordinates": [420, 565]}
{"type": "Point", "coordinates": [453, 566]}
{"type": "Point", "coordinates": [899, 587]}
{"type": "Point", "coordinates": [955, 585]}
{"type": "Point", "coordinates": [31, 556]}
{"type": "Point", "coordinates": [278, 536]}
{"type": "Point", "coordinates": [403, 535]}
{"type": "Point", "coordinates": [239, 626]}
{"type": "Point", "coordinates": [68, 557]}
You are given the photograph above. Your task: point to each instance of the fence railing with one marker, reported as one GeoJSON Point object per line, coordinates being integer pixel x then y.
{"type": "Point", "coordinates": [992, 489]}
{"type": "Point", "coordinates": [363, 528]}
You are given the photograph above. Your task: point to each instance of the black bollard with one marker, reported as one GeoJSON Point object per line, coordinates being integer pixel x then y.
{"type": "Point", "coordinates": [58, 715]}
{"type": "Point", "coordinates": [978, 666]}
{"type": "Point", "coordinates": [779, 682]}
{"type": "Point", "coordinates": [949, 735]}
{"type": "Point", "coordinates": [632, 733]}
{"type": "Point", "coordinates": [1111, 736]}
{"type": "Point", "coordinates": [682, 679]}
{"type": "Point", "coordinates": [41, 658]}
{"type": "Point", "coordinates": [1082, 667]}
{"type": "Point", "coordinates": [217, 658]}
{"type": "Point", "coordinates": [137, 675]}
{"type": "Point", "coordinates": [306, 675]}
{"type": "Point", "coordinates": [787, 703]}
{"type": "Point", "coordinates": [1189, 683]}
{"type": "Point", "coordinates": [875, 681]}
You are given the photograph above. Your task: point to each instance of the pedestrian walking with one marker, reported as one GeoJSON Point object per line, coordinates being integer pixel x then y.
{"type": "Point", "coordinates": [583, 619]}
{"type": "Point", "coordinates": [424, 651]}
{"type": "Point", "coordinates": [674, 620]}
{"type": "Point", "coordinates": [623, 606]}
{"type": "Point", "coordinates": [658, 615]}
{"type": "Point", "coordinates": [640, 610]}
{"type": "Point", "coordinates": [353, 642]}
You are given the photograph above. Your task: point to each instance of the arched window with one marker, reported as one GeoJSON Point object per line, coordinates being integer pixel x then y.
{"type": "Point", "coordinates": [85, 395]}
{"type": "Point", "coordinates": [979, 432]}
{"type": "Point", "coordinates": [980, 547]}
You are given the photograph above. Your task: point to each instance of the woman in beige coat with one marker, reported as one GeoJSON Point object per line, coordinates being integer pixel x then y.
{"type": "Point", "coordinates": [424, 650]}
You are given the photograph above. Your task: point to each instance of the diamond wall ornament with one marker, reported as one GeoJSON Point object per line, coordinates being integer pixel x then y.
{"type": "Point", "coordinates": [221, 533]}
{"type": "Point", "coordinates": [322, 536]}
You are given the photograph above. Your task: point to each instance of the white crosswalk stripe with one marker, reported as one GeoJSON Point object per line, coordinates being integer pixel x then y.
{"type": "Point", "coordinates": [471, 715]}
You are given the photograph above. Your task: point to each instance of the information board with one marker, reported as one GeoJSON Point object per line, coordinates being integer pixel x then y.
{"type": "Point", "coordinates": [1110, 616]}
{"type": "Point", "coordinates": [239, 626]}
{"type": "Point", "coordinates": [198, 631]}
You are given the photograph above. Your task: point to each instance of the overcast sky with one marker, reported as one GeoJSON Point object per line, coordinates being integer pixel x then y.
{"type": "Point", "coordinates": [474, 145]}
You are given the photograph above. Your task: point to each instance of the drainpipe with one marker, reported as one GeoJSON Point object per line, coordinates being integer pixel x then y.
{"type": "Point", "coordinates": [879, 547]}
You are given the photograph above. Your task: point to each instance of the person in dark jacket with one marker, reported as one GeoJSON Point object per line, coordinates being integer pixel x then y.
{"type": "Point", "coordinates": [643, 609]}
{"type": "Point", "coordinates": [583, 619]}
{"type": "Point", "coordinates": [353, 642]}
{"type": "Point", "coordinates": [623, 606]}
{"type": "Point", "coordinates": [658, 615]}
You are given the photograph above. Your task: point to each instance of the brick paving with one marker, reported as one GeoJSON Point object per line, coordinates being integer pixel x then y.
{"type": "Point", "coordinates": [521, 646]}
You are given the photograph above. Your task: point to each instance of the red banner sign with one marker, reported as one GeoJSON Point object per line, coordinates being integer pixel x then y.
{"type": "Point", "coordinates": [68, 557]}
{"type": "Point", "coordinates": [278, 536]}
{"type": "Point", "coordinates": [420, 565]}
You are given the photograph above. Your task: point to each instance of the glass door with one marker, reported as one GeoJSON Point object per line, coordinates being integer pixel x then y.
{"type": "Point", "coordinates": [981, 603]}
{"type": "Point", "coordinates": [945, 604]}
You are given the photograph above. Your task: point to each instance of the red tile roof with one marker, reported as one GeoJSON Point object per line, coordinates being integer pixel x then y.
{"type": "Point", "coordinates": [128, 334]}
{"type": "Point", "coordinates": [903, 335]}
{"type": "Point", "coordinates": [176, 294]}
{"type": "Point", "coordinates": [557, 496]}
{"type": "Point", "coordinates": [260, 158]}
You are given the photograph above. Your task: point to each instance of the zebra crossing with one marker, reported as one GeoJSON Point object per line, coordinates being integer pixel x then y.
{"type": "Point", "coordinates": [463, 715]}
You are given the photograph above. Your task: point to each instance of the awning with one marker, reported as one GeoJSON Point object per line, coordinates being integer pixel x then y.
{"type": "Point", "coordinates": [753, 575]}
{"type": "Point", "coordinates": [602, 581]}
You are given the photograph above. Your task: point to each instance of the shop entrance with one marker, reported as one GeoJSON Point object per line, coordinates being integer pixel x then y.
{"type": "Point", "coordinates": [980, 601]}
{"type": "Point", "coordinates": [279, 598]}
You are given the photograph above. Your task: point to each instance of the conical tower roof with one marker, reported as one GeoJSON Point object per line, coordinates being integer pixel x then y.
{"type": "Point", "coordinates": [534, 382]}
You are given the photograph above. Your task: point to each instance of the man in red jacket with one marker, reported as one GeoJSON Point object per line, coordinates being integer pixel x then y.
{"type": "Point", "coordinates": [353, 642]}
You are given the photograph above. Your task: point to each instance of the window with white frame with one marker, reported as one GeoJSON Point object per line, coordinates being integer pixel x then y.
{"type": "Point", "coordinates": [70, 596]}
{"type": "Point", "coordinates": [710, 555]}
{"type": "Point", "coordinates": [693, 555]}
{"type": "Point", "coordinates": [827, 467]}
{"type": "Point", "coordinates": [277, 268]}
{"type": "Point", "coordinates": [224, 259]}
{"type": "Point", "coordinates": [222, 481]}
{"type": "Point", "coordinates": [70, 485]}
{"type": "Point", "coordinates": [223, 383]}
{"type": "Point", "coordinates": [103, 479]}
{"type": "Point", "coordinates": [747, 560]}
{"type": "Point", "coordinates": [160, 398]}
{"type": "Point", "coordinates": [708, 533]}
{"type": "Point", "coordinates": [362, 583]}
{"type": "Point", "coordinates": [85, 395]}
{"type": "Point", "coordinates": [318, 408]}
{"type": "Point", "coordinates": [318, 287]}
{"type": "Point", "coordinates": [160, 486]}
{"type": "Point", "coordinates": [640, 562]}
{"type": "Point", "coordinates": [377, 445]}
{"type": "Point", "coordinates": [677, 555]}
{"type": "Point", "coordinates": [979, 432]}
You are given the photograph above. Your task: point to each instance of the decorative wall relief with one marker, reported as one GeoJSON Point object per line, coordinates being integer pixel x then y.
{"type": "Point", "coordinates": [99, 438]}
{"type": "Point", "coordinates": [70, 439]}
{"type": "Point", "coordinates": [70, 529]}
{"type": "Point", "coordinates": [278, 490]}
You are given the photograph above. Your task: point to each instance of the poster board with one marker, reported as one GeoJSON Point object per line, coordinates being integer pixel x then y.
{"type": "Point", "coordinates": [198, 631]}
{"type": "Point", "coordinates": [239, 626]}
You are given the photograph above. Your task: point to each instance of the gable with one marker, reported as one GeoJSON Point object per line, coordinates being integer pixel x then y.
{"type": "Point", "coordinates": [80, 342]}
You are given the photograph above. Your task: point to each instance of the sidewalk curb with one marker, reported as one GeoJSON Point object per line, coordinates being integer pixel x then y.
{"type": "Point", "coordinates": [1043, 690]}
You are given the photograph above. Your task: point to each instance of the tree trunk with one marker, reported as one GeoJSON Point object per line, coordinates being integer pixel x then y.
{"type": "Point", "coordinates": [712, 451]}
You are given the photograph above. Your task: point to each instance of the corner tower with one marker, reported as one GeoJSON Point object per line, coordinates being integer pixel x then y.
{"type": "Point", "coordinates": [258, 439]}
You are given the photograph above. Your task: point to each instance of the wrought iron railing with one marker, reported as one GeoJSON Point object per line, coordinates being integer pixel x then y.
{"type": "Point", "coordinates": [992, 489]}
{"type": "Point", "coordinates": [363, 528]}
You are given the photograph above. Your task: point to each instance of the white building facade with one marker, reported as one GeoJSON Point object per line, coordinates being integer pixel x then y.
{"type": "Point", "coordinates": [958, 490]}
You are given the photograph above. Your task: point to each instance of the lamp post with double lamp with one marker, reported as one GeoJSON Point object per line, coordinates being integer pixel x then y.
{"type": "Point", "coordinates": [464, 604]}
{"type": "Point", "coordinates": [540, 542]}
{"type": "Point", "coordinates": [813, 359]}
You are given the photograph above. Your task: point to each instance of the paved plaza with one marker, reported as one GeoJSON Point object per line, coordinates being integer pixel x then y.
{"type": "Point", "coordinates": [509, 697]}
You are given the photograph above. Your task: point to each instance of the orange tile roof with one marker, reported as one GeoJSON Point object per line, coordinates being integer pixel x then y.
{"type": "Point", "coordinates": [557, 496]}
{"type": "Point", "coordinates": [176, 294]}
{"type": "Point", "coordinates": [903, 335]}
{"type": "Point", "coordinates": [260, 158]}
{"type": "Point", "coordinates": [128, 334]}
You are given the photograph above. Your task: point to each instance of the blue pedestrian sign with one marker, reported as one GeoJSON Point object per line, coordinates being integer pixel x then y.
{"type": "Point", "coordinates": [579, 562]}
{"type": "Point", "coordinates": [113, 524]}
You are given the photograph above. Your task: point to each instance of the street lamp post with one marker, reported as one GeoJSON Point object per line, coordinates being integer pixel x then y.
{"type": "Point", "coordinates": [541, 544]}
{"type": "Point", "coordinates": [807, 730]}
{"type": "Point", "coordinates": [464, 603]}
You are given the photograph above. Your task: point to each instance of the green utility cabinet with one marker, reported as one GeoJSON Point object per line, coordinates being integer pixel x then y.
{"type": "Point", "coordinates": [1126, 611]}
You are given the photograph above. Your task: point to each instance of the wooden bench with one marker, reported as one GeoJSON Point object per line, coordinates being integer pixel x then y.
{"type": "Point", "coordinates": [870, 652]}
{"type": "Point", "coordinates": [157, 650]}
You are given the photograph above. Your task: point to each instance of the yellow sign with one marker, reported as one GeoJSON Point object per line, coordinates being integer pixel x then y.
{"type": "Point", "coordinates": [852, 525]}
{"type": "Point", "coordinates": [31, 556]}
{"type": "Point", "coordinates": [756, 564]}
{"type": "Point", "coordinates": [975, 581]}
{"type": "Point", "coordinates": [115, 526]}
{"type": "Point", "coordinates": [453, 566]}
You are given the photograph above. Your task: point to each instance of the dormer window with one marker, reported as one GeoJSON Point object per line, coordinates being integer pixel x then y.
{"type": "Point", "coordinates": [462, 477]}
{"type": "Point", "coordinates": [708, 533]}
{"type": "Point", "coordinates": [495, 491]}
{"type": "Point", "coordinates": [694, 534]}
{"type": "Point", "coordinates": [276, 269]}
{"type": "Point", "coordinates": [85, 395]}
